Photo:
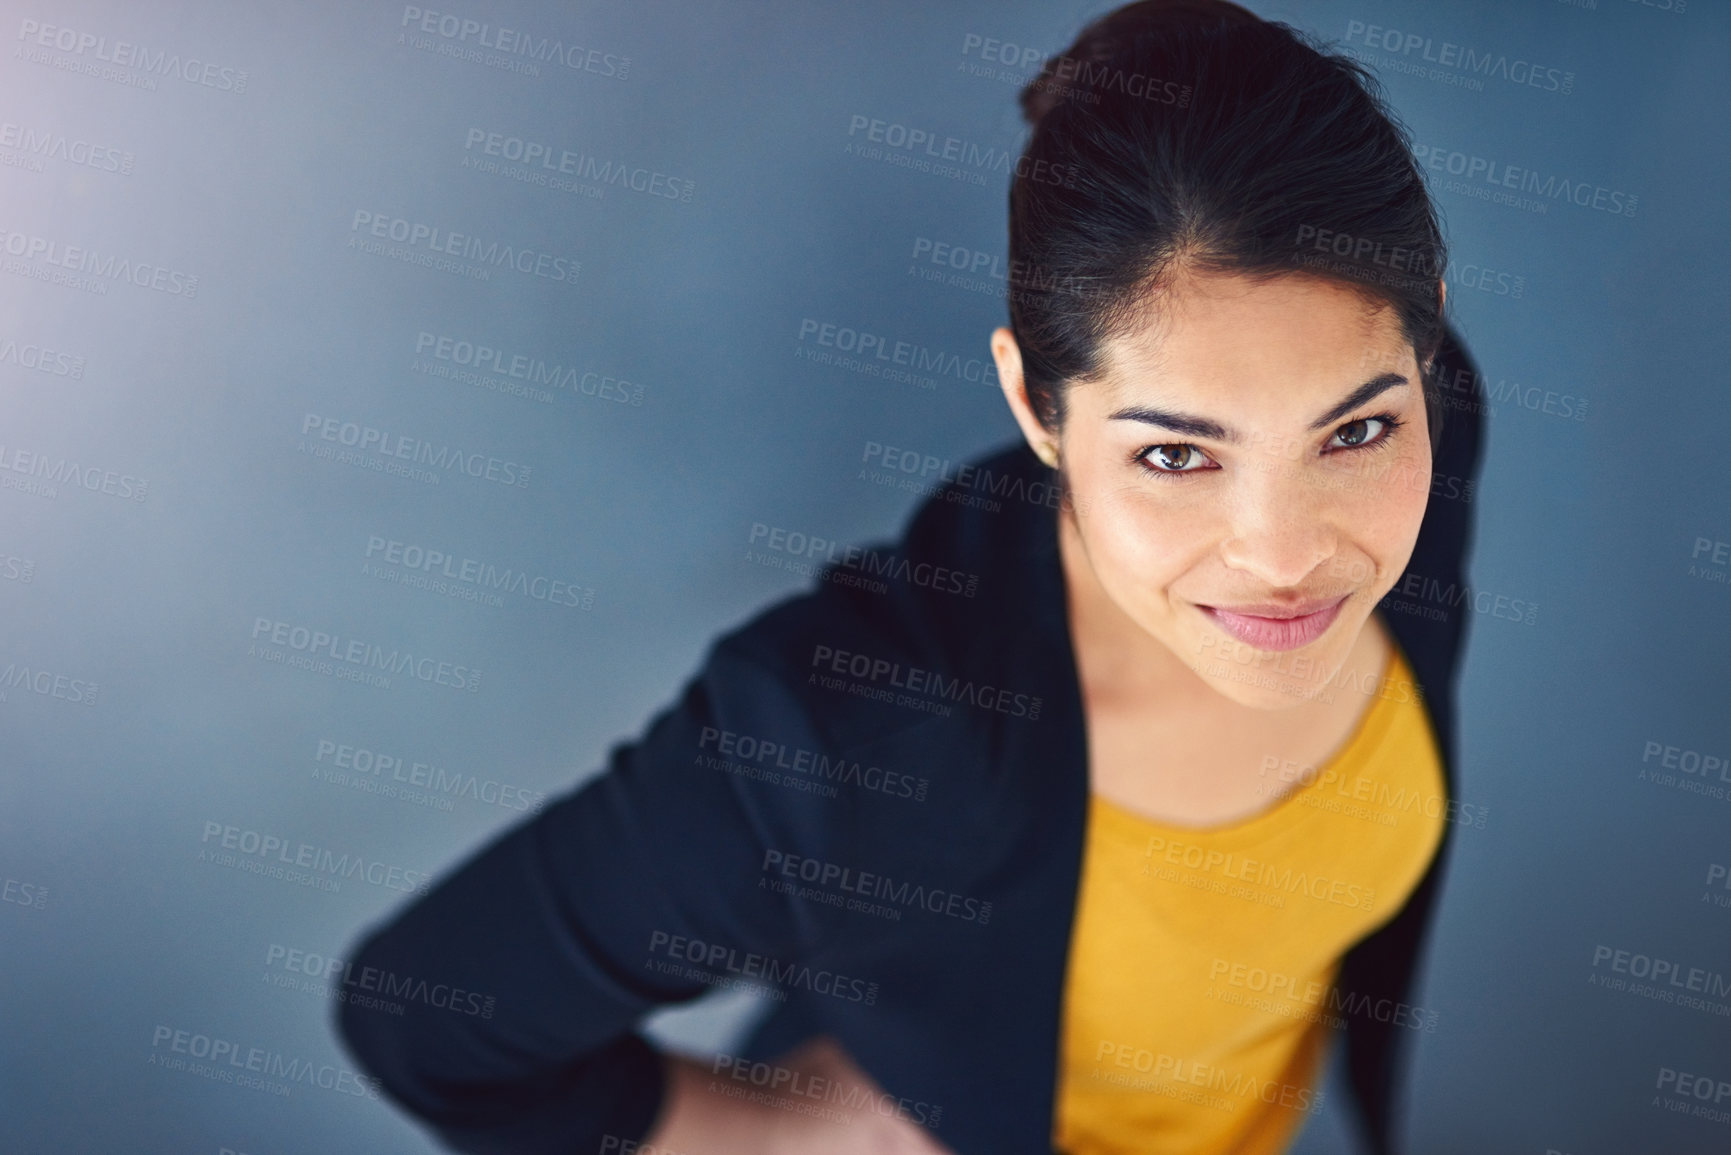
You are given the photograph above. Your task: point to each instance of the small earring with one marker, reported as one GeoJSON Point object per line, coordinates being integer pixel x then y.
{"type": "Point", "coordinates": [1048, 453]}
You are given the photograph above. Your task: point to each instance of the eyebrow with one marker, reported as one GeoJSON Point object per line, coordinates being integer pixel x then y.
{"type": "Point", "coordinates": [1194, 426]}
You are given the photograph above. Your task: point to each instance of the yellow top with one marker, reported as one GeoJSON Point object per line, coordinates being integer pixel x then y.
{"type": "Point", "coordinates": [1199, 992]}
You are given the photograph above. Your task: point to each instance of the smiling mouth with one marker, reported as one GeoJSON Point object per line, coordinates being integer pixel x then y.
{"type": "Point", "coordinates": [1274, 627]}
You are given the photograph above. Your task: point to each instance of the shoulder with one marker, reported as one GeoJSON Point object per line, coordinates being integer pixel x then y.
{"type": "Point", "coordinates": [815, 727]}
{"type": "Point", "coordinates": [944, 595]}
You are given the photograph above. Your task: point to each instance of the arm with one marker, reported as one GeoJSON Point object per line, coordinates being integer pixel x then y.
{"type": "Point", "coordinates": [553, 922]}
{"type": "Point", "coordinates": [697, 1119]}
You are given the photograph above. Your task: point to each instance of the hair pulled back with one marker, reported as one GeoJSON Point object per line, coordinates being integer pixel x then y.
{"type": "Point", "coordinates": [1191, 134]}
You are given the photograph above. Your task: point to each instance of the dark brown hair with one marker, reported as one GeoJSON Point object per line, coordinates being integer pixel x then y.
{"type": "Point", "coordinates": [1193, 134]}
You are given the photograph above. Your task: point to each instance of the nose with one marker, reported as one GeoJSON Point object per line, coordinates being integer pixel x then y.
{"type": "Point", "coordinates": [1279, 528]}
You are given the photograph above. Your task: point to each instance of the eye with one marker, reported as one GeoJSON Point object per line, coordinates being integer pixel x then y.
{"type": "Point", "coordinates": [1360, 434]}
{"type": "Point", "coordinates": [1169, 459]}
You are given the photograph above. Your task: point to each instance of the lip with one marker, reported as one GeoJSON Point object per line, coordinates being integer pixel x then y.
{"type": "Point", "coordinates": [1274, 627]}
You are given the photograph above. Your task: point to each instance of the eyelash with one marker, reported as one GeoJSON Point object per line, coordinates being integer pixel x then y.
{"type": "Point", "coordinates": [1390, 425]}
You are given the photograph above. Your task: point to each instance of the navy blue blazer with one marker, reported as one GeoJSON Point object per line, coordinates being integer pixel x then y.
{"type": "Point", "coordinates": [869, 802]}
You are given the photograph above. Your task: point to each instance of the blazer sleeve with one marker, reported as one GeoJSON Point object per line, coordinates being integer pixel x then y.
{"type": "Point", "coordinates": [523, 973]}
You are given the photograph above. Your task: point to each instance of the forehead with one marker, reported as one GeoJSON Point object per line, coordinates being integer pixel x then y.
{"type": "Point", "coordinates": [1233, 338]}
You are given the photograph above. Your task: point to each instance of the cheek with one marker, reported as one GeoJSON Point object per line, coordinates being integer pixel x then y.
{"type": "Point", "coordinates": [1138, 540]}
{"type": "Point", "coordinates": [1388, 518]}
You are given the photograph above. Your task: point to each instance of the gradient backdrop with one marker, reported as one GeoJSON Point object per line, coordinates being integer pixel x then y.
{"type": "Point", "coordinates": [247, 247]}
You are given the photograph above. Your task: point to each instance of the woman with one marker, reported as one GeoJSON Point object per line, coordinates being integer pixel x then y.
{"type": "Point", "coordinates": [1077, 818]}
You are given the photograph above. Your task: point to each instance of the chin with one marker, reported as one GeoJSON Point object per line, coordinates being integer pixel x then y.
{"type": "Point", "coordinates": [1266, 691]}
{"type": "Point", "coordinates": [1271, 679]}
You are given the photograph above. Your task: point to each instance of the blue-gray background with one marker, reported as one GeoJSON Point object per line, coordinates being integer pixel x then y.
{"type": "Point", "coordinates": [644, 494]}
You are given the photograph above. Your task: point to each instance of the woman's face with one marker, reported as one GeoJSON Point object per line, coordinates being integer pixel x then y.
{"type": "Point", "coordinates": [1248, 475]}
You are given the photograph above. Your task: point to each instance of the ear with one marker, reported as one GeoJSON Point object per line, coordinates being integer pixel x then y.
{"type": "Point", "coordinates": [1009, 358]}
